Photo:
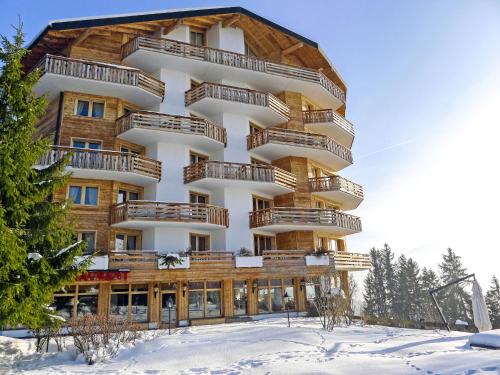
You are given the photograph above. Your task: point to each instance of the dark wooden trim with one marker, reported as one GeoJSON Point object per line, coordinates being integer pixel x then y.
{"type": "Point", "coordinates": [57, 136]}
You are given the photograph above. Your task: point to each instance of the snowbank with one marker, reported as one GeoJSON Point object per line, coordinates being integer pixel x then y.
{"type": "Point", "coordinates": [488, 339]}
{"type": "Point", "coordinates": [270, 347]}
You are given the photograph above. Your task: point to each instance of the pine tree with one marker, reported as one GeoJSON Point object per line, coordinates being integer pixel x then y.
{"type": "Point", "coordinates": [402, 298]}
{"type": "Point", "coordinates": [389, 280]}
{"type": "Point", "coordinates": [429, 280]}
{"type": "Point", "coordinates": [375, 294]}
{"type": "Point", "coordinates": [456, 301]}
{"type": "Point", "coordinates": [37, 244]}
{"type": "Point", "coordinates": [414, 307]}
{"type": "Point", "coordinates": [493, 302]}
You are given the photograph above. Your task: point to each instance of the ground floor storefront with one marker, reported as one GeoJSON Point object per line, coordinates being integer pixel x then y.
{"type": "Point", "coordinates": [179, 301]}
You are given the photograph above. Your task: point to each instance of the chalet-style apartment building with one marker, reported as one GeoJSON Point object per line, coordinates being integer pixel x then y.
{"type": "Point", "coordinates": [213, 133]}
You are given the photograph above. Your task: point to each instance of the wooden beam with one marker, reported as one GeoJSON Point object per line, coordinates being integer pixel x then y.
{"type": "Point", "coordinates": [231, 21]}
{"type": "Point", "coordinates": [172, 27]}
{"type": "Point", "coordinates": [84, 35]}
{"type": "Point", "coordinates": [291, 49]}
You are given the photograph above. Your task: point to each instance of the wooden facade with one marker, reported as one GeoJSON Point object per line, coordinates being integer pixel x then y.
{"type": "Point", "coordinates": [96, 52]}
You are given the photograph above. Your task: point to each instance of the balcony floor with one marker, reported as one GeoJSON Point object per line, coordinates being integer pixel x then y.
{"type": "Point", "coordinates": [347, 201]}
{"type": "Point", "coordinates": [52, 84]}
{"type": "Point", "coordinates": [327, 228]}
{"type": "Point", "coordinates": [145, 224]}
{"type": "Point", "coordinates": [270, 188]}
{"type": "Point", "coordinates": [274, 151]}
{"type": "Point", "coordinates": [210, 107]}
{"type": "Point", "coordinates": [125, 177]}
{"type": "Point", "coordinates": [335, 132]}
{"type": "Point", "coordinates": [151, 61]}
{"type": "Point", "coordinates": [146, 137]}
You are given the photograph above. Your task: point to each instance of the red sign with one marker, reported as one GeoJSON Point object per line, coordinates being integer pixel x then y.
{"type": "Point", "coordinates": [103, 276]}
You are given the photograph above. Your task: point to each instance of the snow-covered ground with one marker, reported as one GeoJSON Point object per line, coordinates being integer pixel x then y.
{"type": "Point", "coordinates": [270, 347]}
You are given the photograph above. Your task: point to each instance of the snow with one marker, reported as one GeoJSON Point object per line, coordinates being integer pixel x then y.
{"type": "Point", "coordinates": [270, 347]}
{"type": "Point", "coordinates": [489, 339]}
{"type": "Point", "coordinates": [62, 251]}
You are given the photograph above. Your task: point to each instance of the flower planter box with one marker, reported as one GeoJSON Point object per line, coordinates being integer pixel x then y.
{"type": "Point", "coordinates": [99, 263]}
{"type": "Point", "coordinates": [184, 263]}
{"type": "Point", "coordinates": [248, 262]}
{"type": "Point", "coordinates": [313, 260]}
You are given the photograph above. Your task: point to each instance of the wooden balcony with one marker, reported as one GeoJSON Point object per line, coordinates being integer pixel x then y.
{"type": "Point", "coordinates": [348, 194]}
{"type": "Point", "coordinates": [106, 165]}
{"type": "Point", "coordinates": [213, 262]}
{"type": "Point", "coordinates": [286, 219]}
{"type": "Point", "coordinates": [151, 53]}
{"type": "Point", "coordinates": [278, 143]}
{"type": "Point", "coordinates": [331, 124]}
{"type": "Point", "coordinates": [67, 74]}
{"type": "Point", "coordinates": [145, 127]}
{"type": "Point", "coordinates": [145, 214]}
{"type": "Point", "coordinates": [261, 178]}
{"type": "Point", "coordinates": [211, 99]}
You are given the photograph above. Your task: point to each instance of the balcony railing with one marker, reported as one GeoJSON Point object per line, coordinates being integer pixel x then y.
{"type": "Point", "coordinates": [105, 160]}
{"type": "Point", "coordinates": [327, 115]}
{"type": "Point", "coordinates": [333, 183]}
{"type": "Point", "coordinates": [298, 138]}
{"type": "Point", "coordinates": [205, 260]}
{"type": "Point", "coordinates": [169, 212]}
{"type": "Point", "coordinates": [236, 94]}
{"type": "Point", "coordinates": [238, 171]}
{"type": "Point", "coordinates": [98, 71]}
{"type": "Point", "coordinates": [231, 59]}
{"type": "Point", "coordinates": [351, 261]}
{"type": "Point", "coordinates": [304, 216]}
{"type": "Point", "coordinates": [171, 123]}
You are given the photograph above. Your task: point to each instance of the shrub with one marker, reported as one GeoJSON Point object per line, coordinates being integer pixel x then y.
{"type": "Point", "coordinates": [100, 337]}
{"type": "Point", "coordinates": [244, 252]}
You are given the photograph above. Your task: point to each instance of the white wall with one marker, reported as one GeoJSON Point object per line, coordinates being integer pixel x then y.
{"type": "Point", "coordinates": [180, 33]}
{"type": "Point", "coordinates": [226, 38]}
{"type": "Point", "coordinates": [176, 84]}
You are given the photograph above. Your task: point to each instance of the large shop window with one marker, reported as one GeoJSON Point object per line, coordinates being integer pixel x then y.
{"type": "Point", "coordinates": [270, 295]}
{"type": "Point", "coordinates": [168, 294]}
{"type": "Point", "coordinates": [239, 297]}
{"type": "Point", "coordinates": [76, 300]}
{"type": "Point", "coordinates": [205, 299]}
{"type": "Point", "coordinates": [129, 302]}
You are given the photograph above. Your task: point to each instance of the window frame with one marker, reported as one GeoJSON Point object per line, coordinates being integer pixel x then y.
{"type": "Point", "coordinates": [83, 188]}
{"type": "Point", "coordinates": [125, 241]}
{"type": "Point", "coordinates": [130, 293]}
{"type": "Point", "coordinates": [198, 195]}
{"type": "Point", "coordinates": [199, 157]}
{"type": "Point", "coordinates": [198, 235]}
{"type": "Point", "coordinates": [258, 250]}
{"type": "Point", "coordinates": [79, 236]}
{"type": "Point", "coordinates": [87, 142]}
{"type": "Point", "coordinates": [198, 31]}
{"type": "Point", "coordinates": [91, 108]}
{"type": "Point", "coordinates": [75, 294]}
{"type": "Point", "coordinates": [257, 198]}
{"type": "Point", "coordinates": [205, 293]}
{"type": "Point", "coordinates": [270, 286]}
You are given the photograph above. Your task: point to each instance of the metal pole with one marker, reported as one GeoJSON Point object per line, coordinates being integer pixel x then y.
{"type": "Point", "coordinates": [287, 314]}
{"type": "Point", "coordinates": [440, 311]}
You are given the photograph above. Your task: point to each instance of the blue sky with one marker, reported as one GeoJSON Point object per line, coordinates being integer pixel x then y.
{"type": "Point", "coordinates": [423, 93]}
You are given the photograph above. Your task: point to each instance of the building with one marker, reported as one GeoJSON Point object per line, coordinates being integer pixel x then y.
{"type": "Point", "coordinates": [213, 132]}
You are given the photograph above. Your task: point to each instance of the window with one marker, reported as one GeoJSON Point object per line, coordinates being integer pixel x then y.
{"type": "Point", "coordinates": [125, 195]}
{"type": "Point", "coordinates": [326, 243]}
{"type": "Point", "coordinates": [261, 243]}
{"type": "Point", "coordinates": [198, 198]}
{"type": "Point", "coordinates": [254, 128]}
{"type": "Point", "coordinates": [255, 161]}
{"type": "Point", "coordinates": [270, 295]}
{"type": "Point", "coordinates": [239, 297]}
{"type": "Point", "coordinates": [129, 302]}
{"type": "Point", "coordinates": [197, 38]}
{"type": "Point", "coordinates": [82, 143]}
{"type": "Point", "coordinates": [83, 195]}
{"type": "Point", "coordinates": [87, 108]}
{"type": "Point", "coordinates": [249, 51]}
{"type": "Point", "coordinates": [205, 299]}
{"type": "Point", "coordinates": [168, 294]}
{"type": "Point", "coordinates": [129, 150]}
{"type": "Point", "coordinates": [199, 242]}
{"type": "Point", "coordinates": [196, 158]}
{"type": "Point", "coordinates": [125, 242]}
{"type": "Point", "coordinates": [260, 203]}
{"type": "Point", "coordinates": [76, 300]}
{"type": "Point", "coordinates": [89, 238]}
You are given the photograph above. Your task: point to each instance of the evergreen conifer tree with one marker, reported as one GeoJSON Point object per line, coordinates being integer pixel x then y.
{"type": "Point", "coordinates": [389, 280]}
{"type": "Point", "coordinates": [429, 280]}
{"type": "Point", "coordinates": [493, 302]}
{"type": "Point", "coordinates": [375, 294]}
{"type": "Point", "coordinates": [37, 244]}
{"type": "Point", "coordinates": [456, 301]}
